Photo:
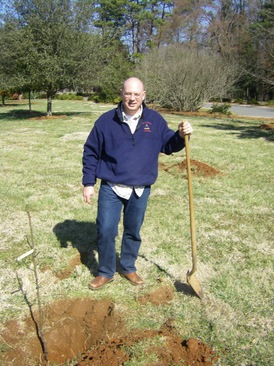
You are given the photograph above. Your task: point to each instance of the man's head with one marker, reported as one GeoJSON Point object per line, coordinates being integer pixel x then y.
{"type": "Point", "coordinates": [132, 94]}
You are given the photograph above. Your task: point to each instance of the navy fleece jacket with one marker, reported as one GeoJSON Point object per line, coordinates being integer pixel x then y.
{"type": "Point", "coordinates": [112, 153]}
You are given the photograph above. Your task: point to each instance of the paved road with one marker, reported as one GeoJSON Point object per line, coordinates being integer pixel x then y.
{"type": "Point", "coordinates": [249, 110]}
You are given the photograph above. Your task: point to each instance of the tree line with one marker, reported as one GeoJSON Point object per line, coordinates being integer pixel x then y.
{"type": "Point", "coordinates": [186, 51]}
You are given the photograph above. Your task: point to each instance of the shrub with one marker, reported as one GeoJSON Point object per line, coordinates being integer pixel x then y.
{"type": "Point", "coordinates": [69, 96]}
{"type": "Point", "coordinates": [253, 102]}
{"type": "Point", "coordinates": [117, 100]}
{"type": "Point", "coordinates": [40, 95]}
{"type": "Point", "coordinates": [238, 101]}
{"type": "Point", "coordinates": [221, 108]}
{"type": "Point", "coordinates": [95, 98]}
{"type": "Point", "coordinates": [226, 100]}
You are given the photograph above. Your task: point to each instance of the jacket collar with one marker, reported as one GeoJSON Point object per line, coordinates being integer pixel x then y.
{"type": "Point", "coordinates": [119, 110]}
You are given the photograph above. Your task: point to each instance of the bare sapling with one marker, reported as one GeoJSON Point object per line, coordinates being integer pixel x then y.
{"type": "Point", "coordinates": [38, 323]}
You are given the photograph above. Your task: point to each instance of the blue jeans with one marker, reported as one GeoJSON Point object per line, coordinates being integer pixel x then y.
{"type": "Point", "coordinates": [108, 216]}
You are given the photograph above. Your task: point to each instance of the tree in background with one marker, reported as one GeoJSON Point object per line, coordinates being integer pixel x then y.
{"type": "Point", "coordinates": [186, 23]}
{"type": "Point", "coordinates": [137, 24]}
{"type": "Point", "coordinates": [16, 59]}
{"type": "Point", "coordinates": [93, 44]}
{"type": "Point", "coordinates": [183, 78]}
{"type": "Point", "coordinates": [48, 48]}
{"type": "Point", "coordinates": [242, 31]}
{"type": "Point", "coordinates": [7, 82]}
{"type": "Point", "coordinates": [103, 69]}
{"type": "Point", "coordinates": [262, 31]}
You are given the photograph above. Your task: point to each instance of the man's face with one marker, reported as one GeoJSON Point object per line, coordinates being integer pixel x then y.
{"type": "Point", "coordinates": [132, 95]}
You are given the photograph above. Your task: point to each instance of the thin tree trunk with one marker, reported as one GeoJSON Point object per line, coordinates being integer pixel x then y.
{"type": "Point", "coordinates": [49, 106]}
{"type": "Point", "coordinates": [40, 322]}
{"type": "Point", "coordinates": [29, 101]}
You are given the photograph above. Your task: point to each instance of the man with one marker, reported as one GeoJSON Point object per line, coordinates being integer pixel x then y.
{"type": "Point", "coordinates": [122, 150]}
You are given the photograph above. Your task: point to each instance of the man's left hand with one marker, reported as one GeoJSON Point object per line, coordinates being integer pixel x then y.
{"type": "Point", "coordinates": [185, 128]}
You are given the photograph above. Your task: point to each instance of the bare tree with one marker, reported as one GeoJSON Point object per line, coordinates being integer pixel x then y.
{"type": "Point", "coordinates": [243, 31]}
{"type": "Point", "coordinates": [184, 79]}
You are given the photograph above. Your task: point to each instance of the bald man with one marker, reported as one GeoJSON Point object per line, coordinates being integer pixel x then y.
{"type": "Point", "coordinates": [122, 151]}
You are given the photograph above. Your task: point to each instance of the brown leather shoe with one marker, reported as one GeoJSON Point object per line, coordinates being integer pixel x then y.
{"type": "Point", "coordinates": [98, 282]}
{"type": "Point", "coordinates": [133, 278]}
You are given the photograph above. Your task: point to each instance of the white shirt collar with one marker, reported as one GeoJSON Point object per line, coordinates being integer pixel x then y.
{"type": "Point", "coordinates": [136, 116]}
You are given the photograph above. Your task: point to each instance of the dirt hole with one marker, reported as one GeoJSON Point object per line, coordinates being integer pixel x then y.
{"type": "Point", "coordinates": [71, 326]}
{"type": "Point", "coordinates": [91, 332]}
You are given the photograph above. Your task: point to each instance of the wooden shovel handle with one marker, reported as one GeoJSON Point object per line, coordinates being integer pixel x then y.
{"type": "Point", "coordinates": [191, 208]}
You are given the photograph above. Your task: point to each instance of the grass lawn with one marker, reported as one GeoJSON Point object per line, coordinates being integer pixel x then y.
{"type": "Point", "coordinates": [41, 173]}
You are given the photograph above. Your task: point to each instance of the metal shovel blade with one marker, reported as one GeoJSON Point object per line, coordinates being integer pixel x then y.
{"type": "Point", "coordinates": [195, 284]}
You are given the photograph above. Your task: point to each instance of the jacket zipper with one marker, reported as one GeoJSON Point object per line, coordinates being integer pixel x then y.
{"type": "Point", "coordinates": [137, 128]}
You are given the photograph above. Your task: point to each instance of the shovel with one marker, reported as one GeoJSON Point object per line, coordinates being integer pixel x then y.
{"type": "Point", "coordinates": [191, 280]}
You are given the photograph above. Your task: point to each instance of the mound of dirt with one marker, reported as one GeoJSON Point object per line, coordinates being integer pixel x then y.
{"type": "Point", "coordinates": [163, 295]}
{"type": "Point", "coordinates": [197, 168]}
{"type": "Point", "coordinates": [48, 117]}
{"type": "Point", "coordinates": [267, 126]}
{"type": "Point", "coordinates": [173, 352]}
{"type": "Point", "coordinates": [93, 330]}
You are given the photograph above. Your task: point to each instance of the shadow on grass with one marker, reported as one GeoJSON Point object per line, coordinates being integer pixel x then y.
{"type": "Point", "coordinates": [26, 114]}
{"type": "Point", "coordinates": [82, 236]}
{"type": "Point", "coordinates": [244, 130]}
{"type": "Point", "coordinates": [180, 286]}
{"type": "Point", "coordinates": [14, 104]}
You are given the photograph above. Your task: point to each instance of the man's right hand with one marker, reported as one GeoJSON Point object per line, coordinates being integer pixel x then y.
{"type": "Point", "coordinates": [88, 193]}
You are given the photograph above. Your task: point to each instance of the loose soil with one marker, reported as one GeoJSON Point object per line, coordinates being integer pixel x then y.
{"type": "Point", "coordinates": [267, 126]}
{"type": "Point", "coordinates": [49, 117]}
{"type": "Point", "coordinates": [92, 332]}
{"type": "Point", "coordinates": [198, 168]}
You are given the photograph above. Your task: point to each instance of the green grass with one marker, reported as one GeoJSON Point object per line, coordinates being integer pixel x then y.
{"type": "Point", "coordinates": [41, 172]}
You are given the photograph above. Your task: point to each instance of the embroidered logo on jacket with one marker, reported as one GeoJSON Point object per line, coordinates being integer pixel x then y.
{"type": "Point", "coordinates": [147, 126]}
